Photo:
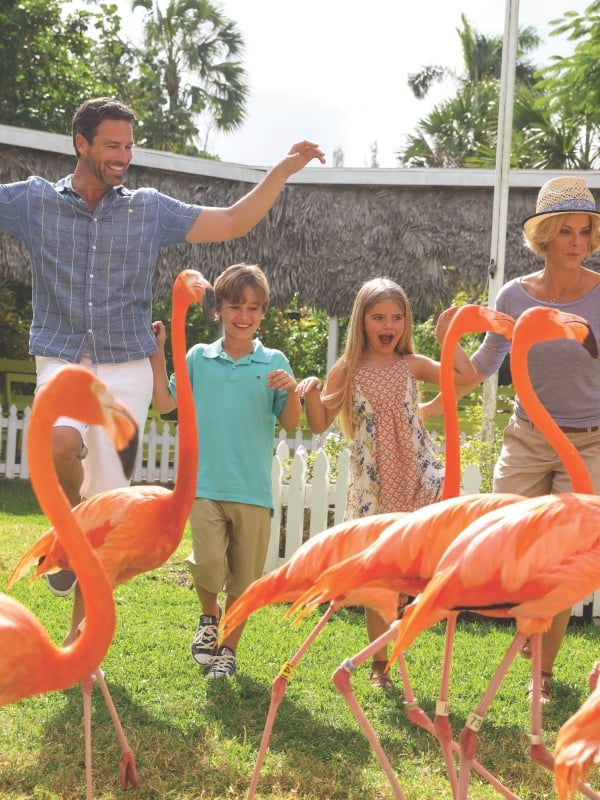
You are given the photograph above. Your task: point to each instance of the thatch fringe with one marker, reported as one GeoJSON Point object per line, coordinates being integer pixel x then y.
{"type": "Point", "coordinates": [320, 242]}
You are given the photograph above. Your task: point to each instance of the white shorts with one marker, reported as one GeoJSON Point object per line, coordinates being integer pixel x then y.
{"type": "Point", "coordinates": [131, 383]}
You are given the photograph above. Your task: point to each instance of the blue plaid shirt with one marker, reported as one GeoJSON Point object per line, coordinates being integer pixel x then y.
{"type": "Point", "coordinates": [92, 270]}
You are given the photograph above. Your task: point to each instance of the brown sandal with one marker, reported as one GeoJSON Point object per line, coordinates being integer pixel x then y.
{"type": "Point", "coordinates": [379, 678]}
{"type": "Point", "coordinates": [545, 691]}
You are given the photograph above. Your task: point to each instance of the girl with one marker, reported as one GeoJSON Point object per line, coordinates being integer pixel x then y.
{"type": "Point", "coordinates": [372, 389]}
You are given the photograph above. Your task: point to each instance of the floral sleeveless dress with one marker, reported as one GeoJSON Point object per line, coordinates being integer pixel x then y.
{"type": "Point", "coordinates": [393, 466]}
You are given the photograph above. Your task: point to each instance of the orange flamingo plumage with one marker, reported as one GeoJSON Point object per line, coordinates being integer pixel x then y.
{"type": "Point", "coordinates": [137, 528]}
{"type": "Point", "coordinates": [577, 746]}
{"type": "Point", "coordinates": [549, 546]}
{"type": "Point", "coordinates": [31, 662]}
{"type": "Point", "coordinates": [299, 575]}
{"type": "Point", "coordinates": [405, 556]}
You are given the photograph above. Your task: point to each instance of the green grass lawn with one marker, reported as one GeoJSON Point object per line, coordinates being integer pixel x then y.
{"type": "Point", "coordinates": [198, 739]}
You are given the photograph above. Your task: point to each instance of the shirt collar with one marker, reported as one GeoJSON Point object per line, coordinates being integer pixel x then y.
{"type": "Point", "coordinates": [215, 350]}
{"type": "Point", "coordinates": [65, 185]}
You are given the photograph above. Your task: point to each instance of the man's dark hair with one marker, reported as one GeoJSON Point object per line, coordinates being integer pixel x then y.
{"type": "Point", "coordinates": [91, 113]}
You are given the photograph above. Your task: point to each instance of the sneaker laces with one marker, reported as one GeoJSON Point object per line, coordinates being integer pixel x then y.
{"type": "Point", "coordinates": [206, 632]}
{"type": "Point", "coordinates": [223, 663]}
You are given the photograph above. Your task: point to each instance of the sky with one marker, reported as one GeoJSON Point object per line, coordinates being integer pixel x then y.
{"type": "Point", "coordinates": [336, 72]}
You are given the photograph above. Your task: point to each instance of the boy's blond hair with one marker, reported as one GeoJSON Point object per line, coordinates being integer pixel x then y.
{"type": "Point", "coordinates": [233, 282]}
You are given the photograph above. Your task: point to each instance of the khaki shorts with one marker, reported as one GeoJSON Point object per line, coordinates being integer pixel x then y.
{"type": "Point", "coordinates": [229, 544]}
{"type": "Point", "coordinates": [131, 383]}
{"type": "Point", "coordinates": [528, 464]}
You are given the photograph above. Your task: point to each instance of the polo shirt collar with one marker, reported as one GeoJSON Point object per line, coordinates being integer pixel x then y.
{"type": "Point", "coordinates": [215, 350]}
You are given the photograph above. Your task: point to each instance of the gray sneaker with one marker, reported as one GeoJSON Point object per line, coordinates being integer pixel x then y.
{"type": "Point", "coordinates": [223, 664]}
{"type": "Point", "coordinates": [204, 643]}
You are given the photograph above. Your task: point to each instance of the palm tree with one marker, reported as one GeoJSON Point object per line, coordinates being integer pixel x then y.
{"type": "Point", "coordinates": [462, 130]}
{"type": "Point", "coordinates": [191, 66]}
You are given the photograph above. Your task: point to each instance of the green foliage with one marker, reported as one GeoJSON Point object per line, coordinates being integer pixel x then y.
{"type": "Point", "coordinates": [301, 334]}
{"type": "Point", "coordinates": [474, 450]}
{"type": "Point", "coordinates": [15, 313]}
{"type": "Point", "coordinates": [48, 62]}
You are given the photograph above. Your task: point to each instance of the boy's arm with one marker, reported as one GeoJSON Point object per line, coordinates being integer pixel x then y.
{"type": "Point", "coordinates": [162, 398]}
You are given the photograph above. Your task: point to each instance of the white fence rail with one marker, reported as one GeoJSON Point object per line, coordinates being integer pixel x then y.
{"type": "Point", "coordinates": [303, 507]}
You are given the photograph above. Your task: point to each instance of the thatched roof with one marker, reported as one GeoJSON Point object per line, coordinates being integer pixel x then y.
{"type": "Point", "coordinates": [326, 235]}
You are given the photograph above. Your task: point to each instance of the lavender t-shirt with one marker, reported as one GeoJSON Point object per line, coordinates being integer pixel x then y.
{"type": "Point", "coordinates": [564, 375]}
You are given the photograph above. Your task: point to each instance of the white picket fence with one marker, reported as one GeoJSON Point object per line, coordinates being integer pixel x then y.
{"type": "Point", "coordinates": [303, 507]}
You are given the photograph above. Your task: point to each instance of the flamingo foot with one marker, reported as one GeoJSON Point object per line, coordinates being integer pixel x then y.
{"type": "Point", "coordinates": [539, 753]}
{"type": "Point", "coordinates": [127, 772]}
{"type": "Point", "coordinates": [468, 745]}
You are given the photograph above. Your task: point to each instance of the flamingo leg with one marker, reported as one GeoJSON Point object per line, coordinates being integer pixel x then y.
{"type": "Point", "coordinates": [341, 678]}
{"type": "Point", "coordinates": [127, 771]}
{"type": "Point", "coordinates": [86, 690]}
{"type": "Point", "coordinates": [278, 690]}
{"type": "Point", "coordinates": [468, 736]}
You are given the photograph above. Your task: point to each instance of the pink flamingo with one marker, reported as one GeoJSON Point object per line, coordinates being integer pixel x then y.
{"type": "Point", "coordinates": [406, 555]}
{"type": "Point", "coordinates": [523, 561]}
{"type": "Point", "coordinates": [577, 746]}
{"type": "Point", "coordinates": [291, 580]}
{"type": "Point", "coordinates": [31, 662]}
{"type": "Point", "coordinates": [137, 528]}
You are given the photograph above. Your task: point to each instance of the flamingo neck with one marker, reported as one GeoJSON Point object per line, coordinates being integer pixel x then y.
{"type": "Point", "coordinates": [451, 485]}
{"type": "Point", "coordinates": [88, 650]}
{"type": "Point", "coordinates": [187, 457]}
{"type": "Point", "coordinates": [565, 449]}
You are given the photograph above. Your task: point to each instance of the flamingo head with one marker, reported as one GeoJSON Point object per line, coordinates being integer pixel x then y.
{"type": "Point", "coordinates": [556, 324]}
{"type": "Point", "coordinates": [473, 318]}
{"type": "Point", "coordinates": [196, 289]}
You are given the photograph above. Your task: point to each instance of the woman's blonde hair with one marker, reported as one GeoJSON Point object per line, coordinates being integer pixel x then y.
{"type": "Point", "coordinates": [372, 292]}
{"type": "Point", "coordinates": [538, 238]}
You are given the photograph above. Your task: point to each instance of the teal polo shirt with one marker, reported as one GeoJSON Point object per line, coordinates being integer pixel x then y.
{"type": "Point", "coordinates": [236, 414]}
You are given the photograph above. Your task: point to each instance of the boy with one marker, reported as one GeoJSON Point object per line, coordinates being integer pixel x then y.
{"type": "Point", "coordinates": [240, 388]}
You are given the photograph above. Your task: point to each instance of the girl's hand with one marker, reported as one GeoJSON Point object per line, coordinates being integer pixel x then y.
{"type": "Point", "coordinates": [306, 385]}
{"type": "Point", "coordinates": [281, 381]}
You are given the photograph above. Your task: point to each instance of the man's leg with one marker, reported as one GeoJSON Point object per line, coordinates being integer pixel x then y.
{"type": "Point", "coordinates": [68, 451]}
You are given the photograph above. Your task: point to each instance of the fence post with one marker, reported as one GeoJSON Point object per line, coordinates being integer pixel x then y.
{"type": "Point", "coordinates": [319, 494]}
{"type": "Point", "coordinates": [294, 528]}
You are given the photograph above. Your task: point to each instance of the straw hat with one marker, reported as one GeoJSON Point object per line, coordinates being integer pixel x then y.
{"type": "Point", "coordinates": [567, 195]}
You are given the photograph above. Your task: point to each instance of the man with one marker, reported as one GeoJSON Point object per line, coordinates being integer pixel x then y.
{"type": "Point", "coordinates": [93, 245]}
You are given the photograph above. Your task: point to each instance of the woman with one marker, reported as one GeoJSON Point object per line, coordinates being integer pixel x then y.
{"type": "Point", "coordinates": [564, 231]}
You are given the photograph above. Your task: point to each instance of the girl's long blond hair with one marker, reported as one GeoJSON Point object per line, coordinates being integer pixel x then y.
{"type": "Point", "coordinates": [374, 291]}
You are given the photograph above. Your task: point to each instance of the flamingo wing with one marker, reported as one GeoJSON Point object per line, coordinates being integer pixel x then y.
{"type": "Point", "coordinates": [114, 523]}
{"type": "Point", "coordinates": [528, 561]}
{"type": "Point", "coordinates": [286, 583]}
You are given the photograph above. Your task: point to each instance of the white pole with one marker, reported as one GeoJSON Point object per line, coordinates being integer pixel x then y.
{"type": "Point", "coordinates": [332, 342]}
{"type": "Point", "coordinates": [501, 186]}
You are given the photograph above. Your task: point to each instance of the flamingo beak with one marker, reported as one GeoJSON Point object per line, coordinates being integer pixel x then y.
{"type": "Point", "coordinates": [126, 438]}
